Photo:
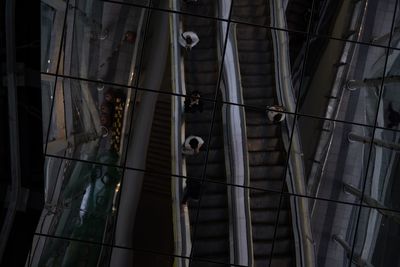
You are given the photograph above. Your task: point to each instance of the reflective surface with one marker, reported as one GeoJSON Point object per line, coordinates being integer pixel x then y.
{"type": "Point", "coordinates": [241, 149]}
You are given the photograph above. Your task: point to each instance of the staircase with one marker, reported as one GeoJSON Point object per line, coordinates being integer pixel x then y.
{"type": "Point", "coordinates": [267, 156]}
{"type": "Point", "coordinates": [211, 240]}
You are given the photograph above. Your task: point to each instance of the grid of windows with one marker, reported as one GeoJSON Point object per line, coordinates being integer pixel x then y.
{"type": "Point", "coordinates": [92, 89]}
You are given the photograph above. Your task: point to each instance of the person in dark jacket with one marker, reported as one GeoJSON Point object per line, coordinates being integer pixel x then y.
{"type": "Point", "coordinates": [191, 191]}
{"type": "Point", "coordinates": [194, 103]}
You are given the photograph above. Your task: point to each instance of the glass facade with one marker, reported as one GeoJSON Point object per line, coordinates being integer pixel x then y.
{"type": "Point", "coordinates": [268, 137]}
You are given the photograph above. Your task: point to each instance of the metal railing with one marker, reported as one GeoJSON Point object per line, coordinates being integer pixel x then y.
{"type": "Point", "coordinates": [237, 163]}
{"type": "Point", "coordinates": [305, 251]}
{"type": "Point", "coordinates": [181, 224]}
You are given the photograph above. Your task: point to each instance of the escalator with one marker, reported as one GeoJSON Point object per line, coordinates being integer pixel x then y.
{"type": "Point", "coordinates": [150, 226]}
{"type": "Point", "coordinates": [267, 155]}
{"type": "Point", "coordinates": [210, 238]}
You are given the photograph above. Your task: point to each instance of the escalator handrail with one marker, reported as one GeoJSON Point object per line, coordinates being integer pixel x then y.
{"type": "Point", "coordinates": [305, 250]}
{"type": "Point", "coordinates": [235, 146]}
{"type": "Point", "coordinates": [181, 224]}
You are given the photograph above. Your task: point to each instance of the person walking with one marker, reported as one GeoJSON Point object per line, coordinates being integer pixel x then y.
{"type": "Point", "coordinates": [192, 145]}
{"type": "Point", "coordinates": [188, 40]}
{"type": "Point", "coordinates": [275, 113]}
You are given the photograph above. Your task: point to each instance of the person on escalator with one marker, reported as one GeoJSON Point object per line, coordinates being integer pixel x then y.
{"type": "Point", "coordinates": [194, 103]}
{"type": "Point", "coordinates": [191, 191]}
{"type": "Point", "coordinates": [188, 40]}
{"type": "Point", "coordinates": [192, 145]}
{"type": "Point", "coordinates": [275, 114]}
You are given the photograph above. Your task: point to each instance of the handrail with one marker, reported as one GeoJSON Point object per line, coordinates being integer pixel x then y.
{"type": "Point", "coordinates": [305, 254]}
{"type": "Point", "coordinates": [181, 224]}
{"type": "Point", "coordinates": [325, 140]}
{"type": "Point", "coordinates": [237, 166]}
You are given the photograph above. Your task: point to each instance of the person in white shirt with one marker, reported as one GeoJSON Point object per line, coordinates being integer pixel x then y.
{"type": "Point", "coordinates": [192, 145]}
{"type": "Point", "coordinates": [188, 40]}
{"type": "Point", "coordinates": [275, 114]}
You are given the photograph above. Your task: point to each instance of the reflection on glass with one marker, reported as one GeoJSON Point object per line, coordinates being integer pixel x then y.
{"type": "Point", "coordinates": [67, 253]}
{"type": "Point", "coordinates": [47, 42]}
{"type": "Point", "coordinates": [91, 121]}
{"type": "Point", "coordinates": [259, 13]}
{"type": "Point", "coordinates": [381, 188]}
{"type": "Point", "coordinates": [209, 220]}
{"type": "Point", "coordinates": [376, 244]}
{"type": "Point", "coordinates": [104, 41]}
{"type": "Point", "coordinates": [333, 228]}
{"type": "Point", "coordinates": [207, 8]}
{"type": "Point", "coordinates": [335, 154]}
{"type": "Point", "coordinates": [81, 206]}
{"type": "Point", "coordinates": [342, 80]}
{"type": "Point", "coordinates": [47, 86]}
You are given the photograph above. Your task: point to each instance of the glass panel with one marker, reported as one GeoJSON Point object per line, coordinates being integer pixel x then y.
{"type": "Point", "coordinates": [382, 187]}
{"type": "Point", "coordinates": [83, 202]}
{"type": "Point", "coordinates": [153, 259]}
{"type": "Point", "coordinates": [333, 228]}
{"type": "Point", "coordinates": [52, 22]}
{"type": "Point", "coordinates": [273, 241]}
{"type": "Point", "coordinates": [358, 21]}
{"type": "Point", "coordinates": [209, 8]}
{"type": "Point", "coordinates": [53, 251]}
{"type": "Point", "coordinates": [377, 238]}
{"type": "Point", "coordinates": [258, 62]}
{"type": "Point", "coordinates": [396, 33]}
{"type": "Point", "coordinates": [267, 144]}
{"type": "Point", "coordinates": [151, 132]}
{"type": "Point", "coordinates": [209, 221]}
{"type": "Point", "coordinates": [152, 220]}
{"type": "Point", "coordinates": [103, 42]}
{"type": "Point", "coordinates": [92, 121]}
{"type": "Point", "coordinates": [334, 154]}
{"type": "Point", "coordinates": [47, 86]}
{"type": "Point", "coordinates": [389, 108]}
{"type": "Point", "coordinates": [341, 77]}
{"type": "Point", "coordinates": [259, 13]}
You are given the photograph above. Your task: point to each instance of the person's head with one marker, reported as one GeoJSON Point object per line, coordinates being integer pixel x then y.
{"type": "Point", "coordinates": [106, 108]}
{"type": "Point", "coordinates": [189, 40]}
{"type": "Point", "coordinates": [278, 117]}
{"type": "Point", "coordinates": [194, 143]}
{"type": "Point", "coordinates": [109, 96]}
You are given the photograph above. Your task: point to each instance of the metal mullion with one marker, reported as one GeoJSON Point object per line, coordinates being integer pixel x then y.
{"type": "Point", "coordinates": [211, 129]}
{"type": "Point", "coordinates": [373, 136]}
{"type": "Point", "coordinates": [291, 138]}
